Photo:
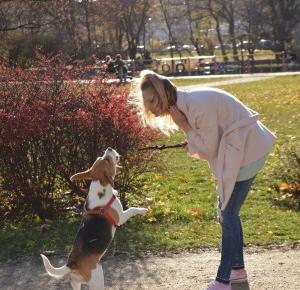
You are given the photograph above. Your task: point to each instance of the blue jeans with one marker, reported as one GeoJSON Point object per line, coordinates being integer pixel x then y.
{"type": "Point", "coordinates": [232, 256]}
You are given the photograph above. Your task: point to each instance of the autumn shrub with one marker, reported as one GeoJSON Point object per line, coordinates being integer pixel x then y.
{"type": "Point", "coordinates": [54, 124]}
{"type": "Point", "coordinates": [287, 174]}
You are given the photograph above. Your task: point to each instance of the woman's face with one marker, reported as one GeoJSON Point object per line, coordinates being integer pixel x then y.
{"type": "Point", "coordinates": [151, 103]}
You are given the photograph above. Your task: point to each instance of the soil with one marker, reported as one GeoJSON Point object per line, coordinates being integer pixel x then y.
{"type": "Point", "coordinates": [269, 268]}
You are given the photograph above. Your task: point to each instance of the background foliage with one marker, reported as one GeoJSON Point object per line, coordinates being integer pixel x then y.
{"type": "Point", "coordinates": [82, 28]}
{"type": "Point", "coordinates": [53, 125]}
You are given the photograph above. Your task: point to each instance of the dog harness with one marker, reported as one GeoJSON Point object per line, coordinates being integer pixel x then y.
{"type": "Point", "coordinates": [103, 211]}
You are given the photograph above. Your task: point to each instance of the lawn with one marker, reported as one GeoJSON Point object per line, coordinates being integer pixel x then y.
{"type": "Point", "coordinates": [182, 196]}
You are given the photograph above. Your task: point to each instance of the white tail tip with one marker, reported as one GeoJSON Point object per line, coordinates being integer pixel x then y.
{"type": "Point", "coordinates": [55, 272]}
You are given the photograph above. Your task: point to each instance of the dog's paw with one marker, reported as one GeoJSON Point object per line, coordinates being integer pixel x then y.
{"type": "Point", "coordinates": [143, 211]}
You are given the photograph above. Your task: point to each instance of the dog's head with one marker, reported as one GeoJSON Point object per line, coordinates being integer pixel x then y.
{"type": "Point", "coordinates": [103, 169]}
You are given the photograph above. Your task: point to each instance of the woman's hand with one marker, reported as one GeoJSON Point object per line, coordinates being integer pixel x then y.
{"type": "Point", "coordinates": [180, 119]}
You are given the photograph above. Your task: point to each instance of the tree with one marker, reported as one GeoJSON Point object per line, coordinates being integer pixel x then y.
{"type": "Point", "coordinates": [195, 15]}
{"type": "Point", "coordinates": [134, 15]}
{"type": "Point", "coordinates": [216, 14]}
{"type": "Point", "coordinates": [283, 16]}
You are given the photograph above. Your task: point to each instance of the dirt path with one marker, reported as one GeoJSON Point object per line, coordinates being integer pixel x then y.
{"type": "Point", "coordinates": [234, 78]}
{"type": "Point", "coordinates": [268, 269]}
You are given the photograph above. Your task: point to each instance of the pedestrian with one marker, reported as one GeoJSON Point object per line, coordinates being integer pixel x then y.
{"type": "Point", "coordinates": [110, 64]}
{"type": "Point", "coordinates": [222, 130]}
{"type": "Point", "coordinates": [121, 68]}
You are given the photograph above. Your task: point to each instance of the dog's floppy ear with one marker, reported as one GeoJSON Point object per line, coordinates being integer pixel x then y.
{"type": "Point", "coordinates": [103, 170]}
{"type": "Point", "coordinates": [86, 174]}
{"type": "Point", "coordinates": [82, 175]}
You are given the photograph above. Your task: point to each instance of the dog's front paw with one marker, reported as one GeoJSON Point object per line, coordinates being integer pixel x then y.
{"type": "Point", "coordinates": [143, 211]}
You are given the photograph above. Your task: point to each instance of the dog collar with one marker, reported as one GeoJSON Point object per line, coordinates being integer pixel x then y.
{"type": "Point", "coordinates": [103, 211]}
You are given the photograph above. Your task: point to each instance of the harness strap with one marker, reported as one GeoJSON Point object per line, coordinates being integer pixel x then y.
{"type": "Point", "coordinates": [103, 211]}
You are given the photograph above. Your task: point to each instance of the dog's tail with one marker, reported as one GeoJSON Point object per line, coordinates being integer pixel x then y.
{"type": "Point", "coordinates": [55, 272]}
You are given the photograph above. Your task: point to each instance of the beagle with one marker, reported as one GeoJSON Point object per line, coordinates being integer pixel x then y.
{"type": "Point", "coordinates": [102, 214]}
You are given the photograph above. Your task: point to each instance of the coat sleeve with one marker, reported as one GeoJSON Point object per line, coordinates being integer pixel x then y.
{"type": "Point", "coordinates": [203, 138]}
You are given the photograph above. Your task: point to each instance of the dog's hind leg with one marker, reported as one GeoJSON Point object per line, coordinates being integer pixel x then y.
{"type": "Point", "coordinates": [97, 280]}
{"type": "Point", "coordinates": [75, 285]}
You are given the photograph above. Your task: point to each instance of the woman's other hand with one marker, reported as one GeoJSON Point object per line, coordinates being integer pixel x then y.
{"type": "Point", "coordinates": [180, 119]}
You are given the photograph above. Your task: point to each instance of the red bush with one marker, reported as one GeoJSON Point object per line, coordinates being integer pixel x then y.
{"type": "Point", "coordinates": [52, 125]}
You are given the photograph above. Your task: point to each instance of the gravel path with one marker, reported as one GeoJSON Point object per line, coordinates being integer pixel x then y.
{"type": "Point", "coordinates": [232, 81]}
{"type": "Point", "coordinates": [274, 268]}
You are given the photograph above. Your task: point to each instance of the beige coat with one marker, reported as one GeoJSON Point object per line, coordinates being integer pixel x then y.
{"type": "Point", "coordinates": [224, 132]}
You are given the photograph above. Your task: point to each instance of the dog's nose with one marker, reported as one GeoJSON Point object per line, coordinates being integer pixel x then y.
{"type": "Point", "coordinates": [109, 149]}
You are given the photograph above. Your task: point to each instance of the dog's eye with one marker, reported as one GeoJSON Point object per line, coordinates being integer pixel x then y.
{"type": "Point", "coordinates": [101, 194]}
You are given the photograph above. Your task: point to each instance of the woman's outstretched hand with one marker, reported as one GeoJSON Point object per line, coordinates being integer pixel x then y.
{"type": "Point", "coordinates": [180, 119]}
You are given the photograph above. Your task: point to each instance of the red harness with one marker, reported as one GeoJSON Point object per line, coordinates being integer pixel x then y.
{"type": "Point", "coordinates": [103, 211]}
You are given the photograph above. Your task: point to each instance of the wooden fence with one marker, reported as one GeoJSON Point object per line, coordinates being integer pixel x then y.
{"type": "Point", "coordinates": [208, 65]}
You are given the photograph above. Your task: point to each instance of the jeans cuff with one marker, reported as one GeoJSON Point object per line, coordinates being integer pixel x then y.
{"type": "Point", "coordinates": [237, 267]}
{"type": "Point", "coordinates": [227, 282]}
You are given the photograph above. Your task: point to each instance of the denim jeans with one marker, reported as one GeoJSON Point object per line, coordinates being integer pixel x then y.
{"type": "Point", "coordinates": [232, 256]}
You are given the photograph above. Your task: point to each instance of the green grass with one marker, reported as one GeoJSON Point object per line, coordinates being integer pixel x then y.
{"type": "Point", "coordinates": [182, 198]}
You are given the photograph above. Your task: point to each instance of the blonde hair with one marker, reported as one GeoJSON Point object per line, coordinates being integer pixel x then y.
{"type": "Point", "coordinates": [167, 96]}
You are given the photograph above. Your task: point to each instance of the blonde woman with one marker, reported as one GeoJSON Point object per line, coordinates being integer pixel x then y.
{"type": "Point", "coordinates": [222, 130]}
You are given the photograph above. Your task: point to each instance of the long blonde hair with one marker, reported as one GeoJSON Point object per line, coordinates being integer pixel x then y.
{"type": "Point", "coordinates": [167, 96]}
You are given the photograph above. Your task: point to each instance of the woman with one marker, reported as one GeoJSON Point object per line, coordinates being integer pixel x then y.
{"type": "Point", "coordinates": [222, 130]}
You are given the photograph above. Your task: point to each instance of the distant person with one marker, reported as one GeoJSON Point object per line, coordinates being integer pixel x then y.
{"type": "Point", "coordinates": [136, 65]}
{"type": "Point", "coordinates": [110, 64]}
{"type": "Point", "coordinates": [223, 131]}
{"type": "Point", "coordinates": [147, 58]}
{"type": "Point", "coordinates": [139, 63]}
{"type": "Point", "coordinates": [121, 68]}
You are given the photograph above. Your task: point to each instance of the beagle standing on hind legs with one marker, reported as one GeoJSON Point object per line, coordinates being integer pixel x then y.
{"type": "Point", "coordinates": [102, 214]}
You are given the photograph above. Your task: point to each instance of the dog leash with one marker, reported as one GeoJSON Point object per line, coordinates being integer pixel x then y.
{"type": "Point", "coordinates": [162, 147]}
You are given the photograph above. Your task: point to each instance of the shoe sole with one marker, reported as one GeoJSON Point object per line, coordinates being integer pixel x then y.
{"type": "Point", "coordinates": [236, 281]}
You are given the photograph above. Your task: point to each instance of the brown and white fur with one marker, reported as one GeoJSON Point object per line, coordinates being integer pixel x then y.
{"type": "Point", "coordinates": [96, 232]}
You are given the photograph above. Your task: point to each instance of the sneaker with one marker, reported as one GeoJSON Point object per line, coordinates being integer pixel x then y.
{"type": "Point", "coordinates": [238, 276]}
{"type": "Point", "coordinates": [216, 285]}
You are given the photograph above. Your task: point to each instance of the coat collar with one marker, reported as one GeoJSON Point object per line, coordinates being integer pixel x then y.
{"type": "Point", "coordinates": [181, 101]}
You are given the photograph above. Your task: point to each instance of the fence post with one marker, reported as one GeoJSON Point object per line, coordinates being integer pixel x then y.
{"type": "Point", "coordinates": [249, 59]}
{"type": "Point", "coordinates": [189, 66]}
{"type": "Point", "coordinates": [216, 67]}
{"type": "Point", "coordinates": [284, 61]}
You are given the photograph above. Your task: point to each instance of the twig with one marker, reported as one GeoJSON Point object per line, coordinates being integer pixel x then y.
{"type": "Point", "coordinates": [162, 147]}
